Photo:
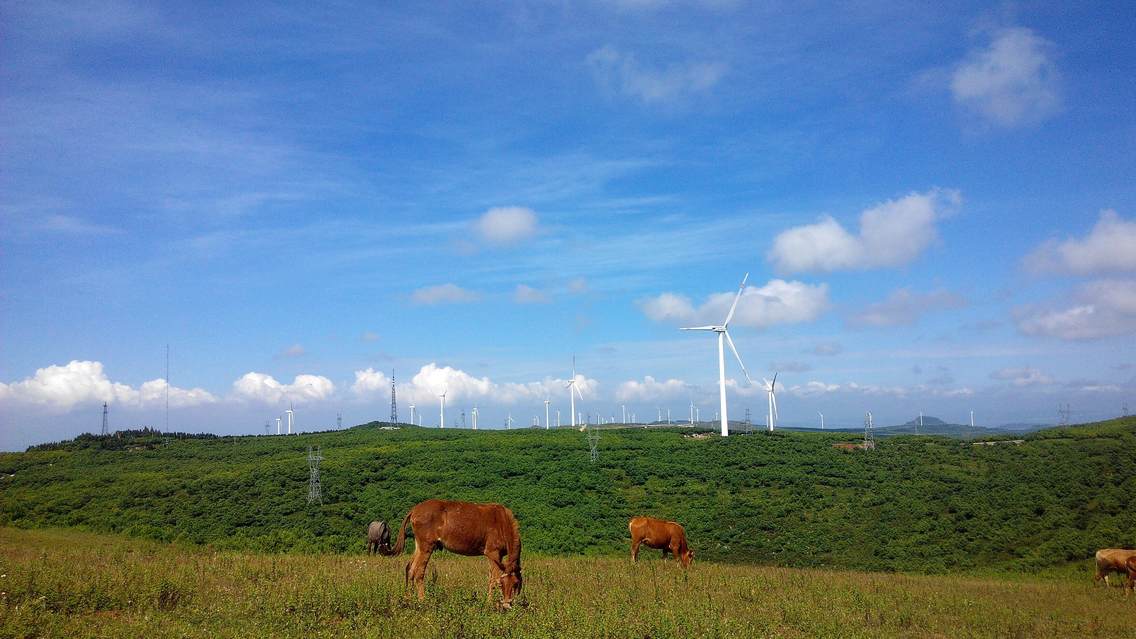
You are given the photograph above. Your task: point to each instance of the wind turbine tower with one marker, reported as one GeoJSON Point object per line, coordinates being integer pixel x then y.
{"type": "Point", "coordinates": [412, 422]}
{"type": "Point", "coordinates": [442, 404]}
{"type": "Point", "coordinates": [291, 412]}
{"type": "Point", "coordinates": [821, 419]}
{"type": "Point", "coordinates": [546, 424]}
{"type": "Point", "coordinates": [473, 414]}
{"type": "Point", "coordinates": [771, 391]}
{"type": "Point", "coordinates": [972, 419]}
{"type": "Point", "coordinates": [277, 425]}
{"type": "Point", "coordinates": [573, 390]}
{"type": "Point", "coordinates": [624, 408]}
{"type": "Point", "coordinates": [724, 336]}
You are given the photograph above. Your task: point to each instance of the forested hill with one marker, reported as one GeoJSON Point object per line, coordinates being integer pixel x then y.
{"type": "Point", "coordinates": [916, 503]}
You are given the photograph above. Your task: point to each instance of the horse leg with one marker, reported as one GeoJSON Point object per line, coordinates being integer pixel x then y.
{"type": "Point", "coordinates": [635, 549]}
{"type": "Point", "coordinates": [494, 573]}
{"type": "Point", "coordinates": [416, 570]}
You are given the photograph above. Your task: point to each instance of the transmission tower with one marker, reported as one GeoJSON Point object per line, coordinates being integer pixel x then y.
{"type": "Point", "coordinates": [463, 418]}
{"type": "Point", "coordinates": [869, 436]}
{"type": "Point", "coordinates": [394, 402]}
{"type": "Point", "coordinates": [104, 430]}
{"type": "Point", "coordinates": [1125, 409]}
{"type": "Point", "coordinates": [314, 492]}
{"type": "Point", "coordinates": [593, 438]}
{"type": "Point", "coordinates": [1063, 413]}
{"type": "Point", "coordinates": [266, 426]}
{"type": "Point", "coordinates": [338, 421]}
{"type": "Point", "coordinates": [749, 423]}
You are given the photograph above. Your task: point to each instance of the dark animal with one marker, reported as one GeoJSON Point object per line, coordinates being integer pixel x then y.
{"type": "Point", "coordinates": [467, 529]}
{"type": "Point", "coordinates": [658, 533]}
{"type": "Point", "coordinates": [1131, 565]}
{"type": "Point", "coordinates": [1111, 560]}
{"type": "Point", "coordinates": [378, 538]}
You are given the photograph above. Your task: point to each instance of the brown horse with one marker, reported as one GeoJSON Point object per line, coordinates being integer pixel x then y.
{"type": "Point", "coordinates": [467, 529]}
{"type": "Point", "coordinates": [658, 533]}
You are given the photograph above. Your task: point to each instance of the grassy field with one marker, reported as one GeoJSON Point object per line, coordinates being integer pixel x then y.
{"type": "Point", "coordinates": [58, 583]}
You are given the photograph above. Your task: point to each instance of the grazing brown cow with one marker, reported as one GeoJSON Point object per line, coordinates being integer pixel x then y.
{"type": "Point", "coordinates": [658, 533]}
{"type": "Point", "coordinates": [378, 538]}
{"type": "Point", "coordinates": [467, 529]}
{"type": "Point", "coordinates": [1112, 560]}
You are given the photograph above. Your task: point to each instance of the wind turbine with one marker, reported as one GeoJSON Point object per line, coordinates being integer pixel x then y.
{"type": "Point", "coordinates": [442, 419]}
{"type": "Point", "coordinates": [558, 418]}
{"type": "Point", "coordinates": [277, 425]}
{"type": "Point", "coordinates": [412, 422]}
{"type": "Point", "coordinates": [624, 407]}
{"type": "Point", "coordinates": [474, 414]}
{"type": "Point", "coordinates": [692, 412]}
{"type": "Point", "coordinates": [509, 421]}
{"type": "Point", "coordinates": [821, 419]}
{"type": "Point", "coordinates": [290, 412]}
{"type": "Point", "coordinates": [724, 335]}
{"type": "Point", "coordinates": [771, 390]}
{"type": "Point", "coordinates": [546, 403]}
{"type": "Point", "coordinates": [572, 388]}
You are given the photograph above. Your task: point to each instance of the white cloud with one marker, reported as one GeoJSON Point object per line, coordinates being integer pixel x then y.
{"type": "Point", "coordinates": [264, 388]}
{"type": "Point", "coordinates": [1104, 308]}
{"type": "Point", "coordinates": [1025, 376]}
{"type": "Point", "coordinates": [1012, 81]}
{"type": "Point", "coordinates": [525, 294]}
{"type": "Point", "coordinates": [506, 225]}
{"type": "Point", "coordinates": [370, 382]}
{"type": "Point", "coordinates": [61, 388]}
{"type": "Point", "coordinates": [891, 234]}
{"type": "Point", "coordinates": [650, 389]}
{"type": "Point", "coordinates": [828, 348]}
{"type": "Point", "coordinates": [443, 294]}
{"type": "Point", "coordinates": [623, 72]}
{"type": "Point", "coordinates": [1109, 246]}
{"type": "Point", "coordinates": [778, 302]}
{"type": "Point", "coordinates": [904, 307]}
{"type": "Point", "coordinates": [425, 387]}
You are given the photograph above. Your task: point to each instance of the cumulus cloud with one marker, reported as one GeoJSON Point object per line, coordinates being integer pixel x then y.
{"type": "Point", "coordinates": [259, 387]}
{"type": "Point", "coordinates": [1020, 377]}
{"type": "Point", "coordinates": [778, 302]}
{"type": "Point", "coordinates": [506, 225]}
{"type": "Point", "coordinates": [1109, 247]}
{"type": "Point", "coordinates": [61, 388]}
{"type": "Point", "coordinates": [891, 234]}
{"type": "Point", "coordinates": [650, 389]}
{"type": "Point", "coordinates": [443, 294]}
{"type": "Point", "coordinates": [1010, 82]}
{"type": "Point", "coordinates": [623, 72]}
{"type": "Point", "coordinates": [431, 380]}
{"type": "Point", "coordinates": [904, 307]}
{"type": "Point", "coordinates": [1103, 308]}
{"type": "Point", "coordinates": [525, 294]}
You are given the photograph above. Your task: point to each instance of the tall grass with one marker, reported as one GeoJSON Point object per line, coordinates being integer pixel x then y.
{"type": "Point", "coordinates": [70, 584]}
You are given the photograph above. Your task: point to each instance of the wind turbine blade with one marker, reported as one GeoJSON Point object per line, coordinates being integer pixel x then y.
{"type": "Point", "coordinates": [774, 384]}
{"type": "Point", "coordinates": [698, 328]}
{"type": "Point", "coordinates": [736, 298]}
{"type": "Point", "coordinates": [578, 393]}
{"type": "Point", "coordinates": [773, 396]}
{"type": "Point", "coordinates": [730, 341]}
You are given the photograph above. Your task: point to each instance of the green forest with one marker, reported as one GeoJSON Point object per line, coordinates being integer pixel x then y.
{"type": "Point", "coordinates": [916, 503]}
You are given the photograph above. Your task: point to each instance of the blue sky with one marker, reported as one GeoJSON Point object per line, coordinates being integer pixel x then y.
{"type": "Point", "coordinates": [936, 208]}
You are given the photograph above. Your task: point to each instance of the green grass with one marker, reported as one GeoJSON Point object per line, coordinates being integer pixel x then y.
{"type": "Point", "coordinates": [71, 584]}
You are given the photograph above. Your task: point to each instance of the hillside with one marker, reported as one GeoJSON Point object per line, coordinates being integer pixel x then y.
{"type": "Point", "coordinates": [926, 504]}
